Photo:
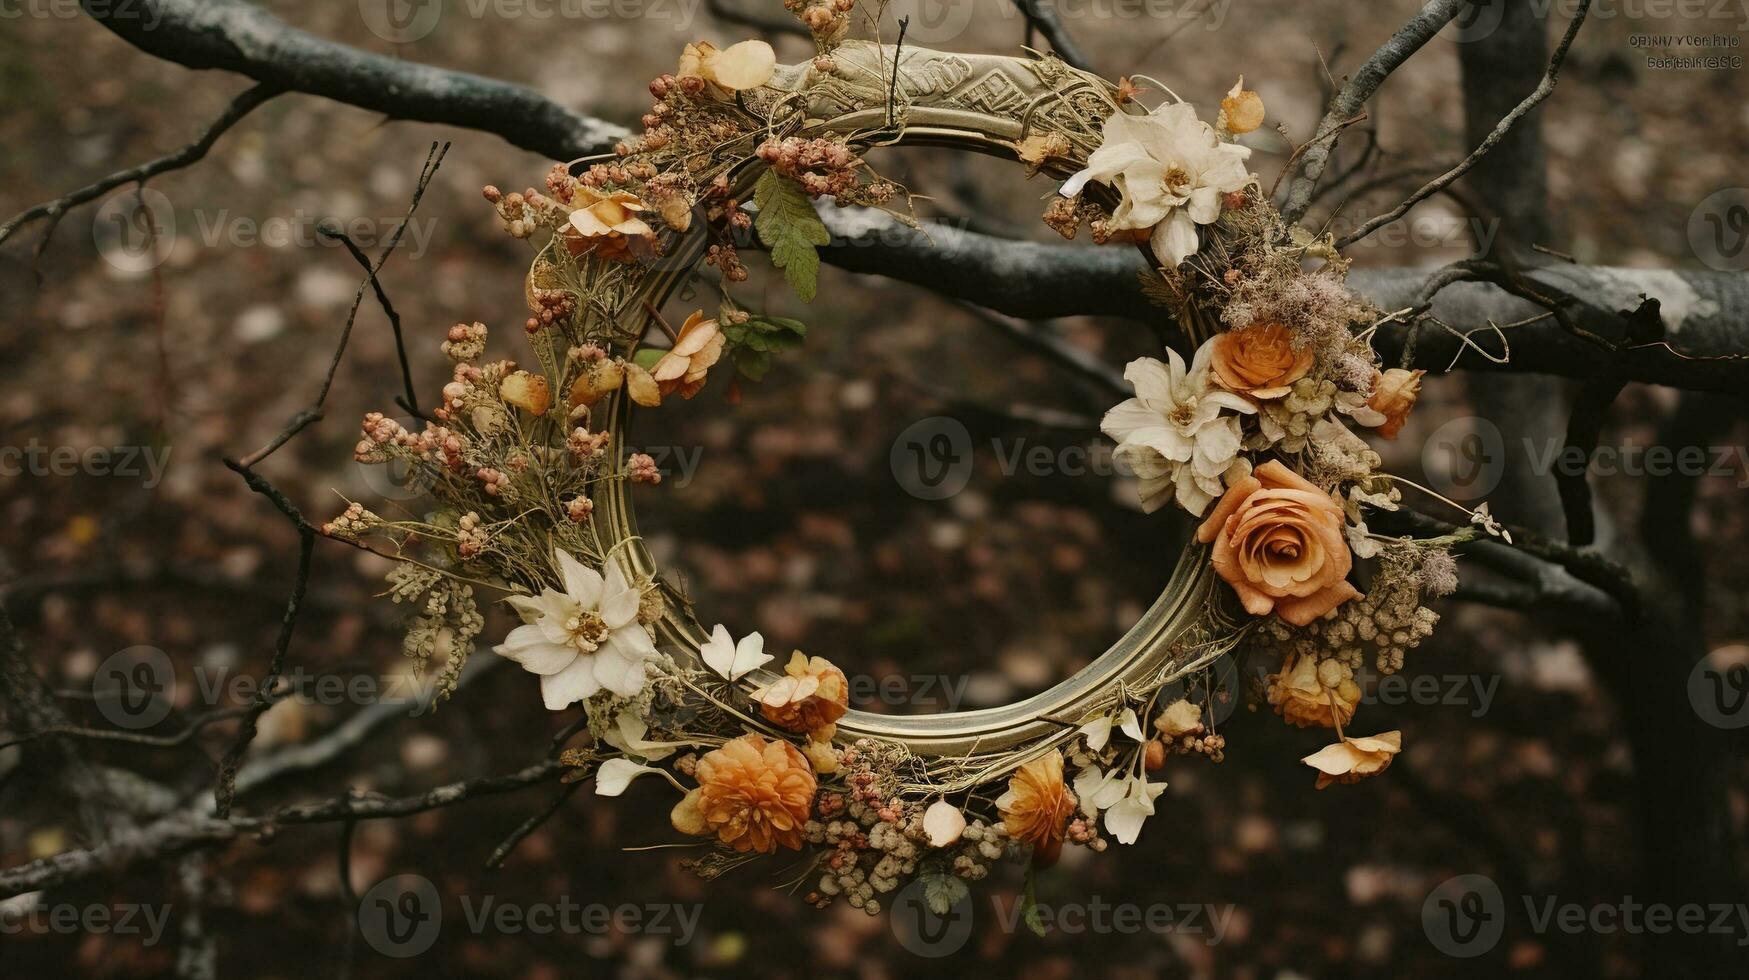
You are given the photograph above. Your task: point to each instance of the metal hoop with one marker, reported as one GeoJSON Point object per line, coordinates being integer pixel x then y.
{"type": "Point", "coordinates": [984, 104]}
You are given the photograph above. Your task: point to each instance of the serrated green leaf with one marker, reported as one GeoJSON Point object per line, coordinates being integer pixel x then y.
{"type": "Point", "coordinates": [789, 227]}
{"type": "Point", "coordinates": [942, 891]}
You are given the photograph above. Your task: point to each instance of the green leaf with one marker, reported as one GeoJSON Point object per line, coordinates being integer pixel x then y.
{"type": "Point", "coordinates": [789, 227]}
{"type": "Point", "coordinates": [751, 363]}
{"type": "Point", "coordinates": [942, 891]}
{"type": "Point", "coordinates": [1029, 912]}
{"type": "Point", "coordinates": [646, 357]}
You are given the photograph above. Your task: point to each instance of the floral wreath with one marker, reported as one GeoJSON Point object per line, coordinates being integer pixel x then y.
{"type": "Point", "coordinates": [1254, 436]}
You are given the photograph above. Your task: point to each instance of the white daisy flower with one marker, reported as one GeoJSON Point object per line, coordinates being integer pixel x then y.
{"type": "Point", "coordinates": [1170, 170]}
{"type": "Point", "coordinates": [1180, 435]}
{"type": "Point", "coordinates": [583, 639]}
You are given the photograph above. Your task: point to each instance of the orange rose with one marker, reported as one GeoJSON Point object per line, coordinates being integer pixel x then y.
{"type": "Point", "coordinates": [1279, 543]}
{"type": "Point", "coordinates": [1393, 395]}
{"type": "Point", "coordinates": [752, 795]}
{"type": "Point", "coordinates": [1037, 807]}
{"type": "Point", "coordinates": [1258, 360]}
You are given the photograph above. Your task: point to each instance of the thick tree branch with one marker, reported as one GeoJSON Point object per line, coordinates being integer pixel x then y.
{"type": "Point", "coordinates": [232, 35]}
{"type": "Point", "coordinates": [1706, 313]}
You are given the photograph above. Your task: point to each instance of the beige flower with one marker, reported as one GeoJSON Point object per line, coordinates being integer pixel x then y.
{"type": "Point", "coordinates": [1181, 717]}
{"type": "Point", "coordinates": [1258, 360]}
{"type": "Point", "coordinates": [810, 697]}
{"type": "Point", "coordinates": [606, 223]}
{"type": "Point", "coordinates": [1354, 759]}
{"type": "Point", "coordinates": [823, 756]}
{"type": "Point", "coordinates": [642, 386]}
{"type": "Point", "coordinates": [1037, 807]}
{"type": "Point", "coordinates": [598, 380]}
{"type": "Point", "coordinates": [698, 347]}
{"type": "Point", "coordinates": [528, 392]}
{"type": "Point", "coordinates": [1393, 395]}
{"type": "Point", "coordinates": [752, 795]}
{"type": "Point", "coordinates": [735, 68]}
{"type": "Point", "coordinates": [1279, 542]}
{"type": "Point", "coordinates": [1241, 110]}
{"type": "Point", "coordinates": [1310, 692]}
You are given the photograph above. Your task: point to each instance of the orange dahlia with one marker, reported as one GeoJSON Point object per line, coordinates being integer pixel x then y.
{"type": "Point", "coordinates": [752, 795]}
{"type": "Point", "coordinates": [1037, 807]}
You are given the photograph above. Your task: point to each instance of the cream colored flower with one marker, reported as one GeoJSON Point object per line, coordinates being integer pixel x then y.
{"type": "Point", "coordinates": [823, 756]}
{"type": "Point", "coordinates": [1310, 692]}
{"type": "Point", "coordinates": [1181, 717]}
{"type": "Point", "coordinates": [605, 224]}
{"type": "Point", "coordinates": [943, 823]}
{"type": "Point", "coordinates": [1258, 360]}
{"type": "Point", "coordinates": [752, 795]}
{"type": "Point", "coordinates": [1279, 542]}
{"type": "Point", "coordinates": [1170, 170]}
{"type": "Point", "coordinates": [1393, 396]}
{"type": "Point", "coordinates": [810, 697]}
{"type": "Point", "coordinates": [683, 367]}
{"type": "Point", "coordinates": [1179, 436]}
{"type": "Point", "coordinates": [528, 392]}
{"type": "Point", "coordinates": [732, 660]}
{"type": "Point", "coordinates": [1126, 801]}
{"type": "Point", "coordinates": [735, 68]}
{"type": "Point", "coordinates": [1354, 759]}
{"type": "Point", "coordinates": [1037, 807]}
{"type": "Point", "coordinates": [584, 639]}
{"type": "Point", "coordinates": [599, 379]}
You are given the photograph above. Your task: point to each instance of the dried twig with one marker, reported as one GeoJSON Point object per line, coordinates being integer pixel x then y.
{"type": "Point", "coordinates": [53, 210]}
{"type": "Point", "coordinates": [1543, 90]}
{"type": "Point", "coordinates": [1351, 98]}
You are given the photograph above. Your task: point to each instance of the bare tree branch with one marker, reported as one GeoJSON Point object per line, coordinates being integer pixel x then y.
{"type": "Point", "coordinates": [1041, 16]}
{"type": "Point", "coordinates": [188, 155]}
{"type": "Point", "coordinates": [1351, 99]}
{"type": "Point", "coordinates": [1543, 90]}
{"type": "Point", "coordinates": [232, 35]}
